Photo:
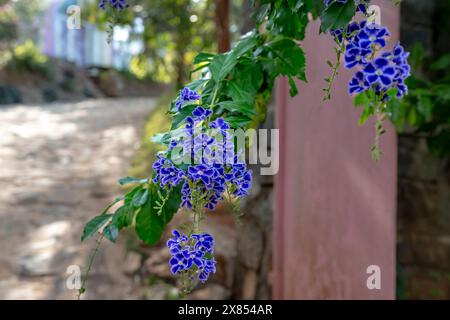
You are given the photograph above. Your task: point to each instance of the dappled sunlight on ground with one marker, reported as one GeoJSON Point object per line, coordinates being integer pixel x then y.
{"type": "Point", "coordinates": [58, 167]}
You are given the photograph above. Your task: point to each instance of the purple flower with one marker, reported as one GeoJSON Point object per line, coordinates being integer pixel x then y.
{"type": "Point", "coordinates": [201, 114]}
{"type": "Point", "coordinates": [203, 144]}
{"type": "Point", "coordinates": [116, 4]}
{"type": "Point", "coordinates": [372, 35]}
{"type": "Point", "coordinates": [219, 124]}
{"type": "Point", "coordinates": [399, 83]}
{"type": "Point", "coordinates": [201, 172]}
{"type": "Point", "coordinates": [189, 254]}
{"type": "Point", "coordinates": [204, 242]}
{"type": "Point", "coordinates": [170, 175]}
{"type": "Point", "coordinates": [186, 196]}
{"type": "Point", "coordinates": [358, 83]}
{"type": "Point", "coordinates": [379, 71]}
{"type": "Point", "coordinates": [175, 243]}
{"type": "Point", "coordinates": [189, 95]}
{"type": "Point", "coordinates": [210, 267]}
{"type": "Point", "coordinates": [177, 263]}
{"type": "Point", "coordinates": [186, 95]}
{"type": "Point", "coordinates": [355, 55]}
{"type": "Point", "coordinates": [193, 257]}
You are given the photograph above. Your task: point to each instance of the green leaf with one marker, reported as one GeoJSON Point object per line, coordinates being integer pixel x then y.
{"type": "Point", "coordinates": [242, 107]}
{"type": "Point", "coordinates": [289, 20]}
{"type": "Point", "coordinates": [94, 225]}
{"type": "Point", "coordinates": [442, 63]}
{"type": "Point", "coordinates": [203, 57]}
{"type": "Point", "coordinates": [140, 198]}
{"type": "Point", "coordinates": [150, 225]}
{"type": "Point", "coordinates": [239, 93]}
{"type": "Point", "coordinates": [221, 66]}
{"type": "Point", "coordinates": [361, 99]}
{"type": "Point", "coordinates": [237, 121]}
{"type": "Point", "coordinates": [111, 204]}
{"type": "Point", "coordinates": [128, 180]}
{"type": "Point", "coordinates": [111, 232]}
{"type": "Point", "coordinates": [288, 58]}
{"type": "Point", "coordinates": [120, 218]}
{"type": "Point", "coordinates": [292, 87]}
{"type": "Point", "coordinates": [365, 114]}
{"type": "Point", "coordinates": [245, 45]}
{"type": "Point", "coordinates": [425, 107]}
{"type": "Point", "coordinates": [337, 15]}
{"type": "Point", "coordinates": [248, 75]}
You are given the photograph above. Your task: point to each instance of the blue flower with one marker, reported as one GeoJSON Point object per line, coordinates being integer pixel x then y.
{"type": "Point", "coordinates": [116, 4]}
{"type": "Point", "coordinates": [358, 83]}
{"type": "Point", "coordinates": [355, 55]}
{"type": "Point", "coordinates": [186, 196]}
{"type": "Point", "coordinates": [379, 71]}
{"type": "Point", "coordinates": [171, 175]}
{"type": "Point", "coordinates": [189, 95]}
{"type": "Point", "coordinates": [175, 243]}
{"type": "Point", "coordinates": [204, 242]}
{"type": "Point", "coordinates": [210, 267]}
{"type": "Point", "coordinates": [177, 263]}
{"type": "Point", "coordinates": [243, 182]}
{"type": "Point", "coordinates": [186, 95]}
{"type": "Point", "coordinates": [201, 172]}
{"type": "Point", "coordinates": [219, 124]}
{"type": "Point", "coordinates": [193, 257]}
{"type": "Point", "coordinates": [203, 144]}
{"type": "Point", "coordinates": [201, 114]}
{"type": "Point", "coordinates": [372, 35]}
{"type": "Point", "coordinates": [401, 86]}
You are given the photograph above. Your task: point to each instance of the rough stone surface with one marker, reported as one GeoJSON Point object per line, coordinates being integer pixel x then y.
{"type": "Point", "coordinates": [253, 262]}
{"type": "Point", "coordinates": [210, 292]}
{"type": "Point", "coordinates": [423, 251]}
{"type": "Point", "coordinates": [423, 245]}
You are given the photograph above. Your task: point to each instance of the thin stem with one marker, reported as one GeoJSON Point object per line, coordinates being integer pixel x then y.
{"type": "Point", "coordinates": [379, 131]}
{"type": "Point", "coordinates": [90, 263]}
{"type": "Point", "coordinates": [339, 50]}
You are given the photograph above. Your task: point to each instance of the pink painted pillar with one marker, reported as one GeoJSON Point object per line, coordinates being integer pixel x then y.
{"type": "Point", "coordinates": [335, 209]}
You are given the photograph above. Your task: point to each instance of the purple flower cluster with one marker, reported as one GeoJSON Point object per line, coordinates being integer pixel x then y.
{"type": "Point", "coordinates": [378, 69]}
{"type": "Point", "coordinates": [213, 169]}
{"type": "Point", "coordinates": [116, 4]}
{"type": "Point", "coordinates": [192, 254]}
{"type": "Point", "coordinates": [186, 95]}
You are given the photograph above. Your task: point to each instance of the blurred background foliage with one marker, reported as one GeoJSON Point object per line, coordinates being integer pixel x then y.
{"type": "Point", "coordinates": [426, 109]}
{"type": "Point", "coordinates": [171, 32]}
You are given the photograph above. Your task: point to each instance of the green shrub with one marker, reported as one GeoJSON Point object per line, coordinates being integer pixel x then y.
{"type": "Point", "coordinates": [26, 57]}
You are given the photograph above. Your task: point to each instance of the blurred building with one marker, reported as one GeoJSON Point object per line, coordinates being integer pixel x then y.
{"type": "Point", "coordinates": [86, 46]}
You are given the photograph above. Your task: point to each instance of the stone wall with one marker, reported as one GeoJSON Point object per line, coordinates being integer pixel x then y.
{"type": "Point", "coordinates": [254, 256]}
{"type": "Point", "coordinates": [423, 179]}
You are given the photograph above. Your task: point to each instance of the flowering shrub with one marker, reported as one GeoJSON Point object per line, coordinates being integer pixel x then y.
{"type": "Point", "coordinates": [191, 257]}
{"type": "Point", "coordinates": [380, 74]}
{"type": "Point", "coordinates": [201, 164]}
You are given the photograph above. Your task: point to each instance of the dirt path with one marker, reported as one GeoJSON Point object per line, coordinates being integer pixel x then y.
{"type": "Point", "coordinates": [58, 167]}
